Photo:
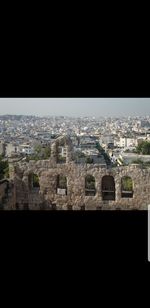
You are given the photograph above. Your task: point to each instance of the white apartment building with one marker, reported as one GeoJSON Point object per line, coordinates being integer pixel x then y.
{"type": "Point", "coordinates": [128, 142]}
{"type": "Point", "coordinates": [117, 143]}
{"type": "Point", "coordinates": [26, 149]}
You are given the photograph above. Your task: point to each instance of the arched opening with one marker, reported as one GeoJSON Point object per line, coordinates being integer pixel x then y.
{"type": "Point", "coordinates": [126, 187]}
{"type": "Point", "coordinates": [108, 188]}
{"type": "Point", "coordinates": [61, 154]}
{"type": "Point", "coordinates": [34, 181]}
{"type": "Point", "coordinates": [54, 207]}
{"type": "Point", "coordinates": [90, 186]}
{"type": "Point", "coordinates": [61, 185]}
{"type": "Point", "coordinates": [99, 208]}
{"type": "Point", "coordinates": [61, 151]}
{"type": "Point", "coordinates": [26, 206]}
{"type": "Point", "coordinates": [17, 206]}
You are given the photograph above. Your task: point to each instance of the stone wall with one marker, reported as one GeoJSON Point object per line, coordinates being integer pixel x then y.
{"type": "Point", "coordinates": [7, 195]}
{"type": "Point", "coordinates": [3, 187]}
{"type": "Point", "coordinates": [75, 174]}
{"type": "Point", "coordinates": [46, 196]}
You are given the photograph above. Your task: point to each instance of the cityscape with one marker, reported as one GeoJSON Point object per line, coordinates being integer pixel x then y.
{"type": "Point", "coordinates": [59, 162]}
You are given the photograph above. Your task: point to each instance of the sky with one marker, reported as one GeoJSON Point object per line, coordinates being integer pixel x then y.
{"type": "Point", "coordinates": [76, 106]}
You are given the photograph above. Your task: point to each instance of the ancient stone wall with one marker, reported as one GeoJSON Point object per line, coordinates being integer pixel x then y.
{"type": "Point", "coordinates": [46, 196]}
{"type": "Point", "coordinates": [3, 186]}
{"type": "Point", "coordinates": [36, 198]}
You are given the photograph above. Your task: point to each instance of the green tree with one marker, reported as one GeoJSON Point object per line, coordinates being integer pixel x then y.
{"type": "Point", "coordinates": [89, 182]}
{"type": "Point", "coordinates": [47, 152]}
{"type": "Point", "coordinates": [36, 181]}
{"type": "Point", "coordinates": [143, 148]}
{"type": "Point", "coordinates": [4, 168]}
{"type": "Point", "coordinates": [38, 149]}
{"type": "Point", "coordinates": [127, 184]}
{"type": "Point", "coordinates": [138, 161]}
{"type": "Point", "coordinates": [62, 182]}
{"type": "Point", "coordinates": [147, 163]}
{"type": "Point", "coordinates": [89, 160]}
{"type": "Point", "coordinates": [40, 153]}
{"type": "Point", "coordinates": [99, 148]}
{"type": "Point", "coordinates": [80, 154]}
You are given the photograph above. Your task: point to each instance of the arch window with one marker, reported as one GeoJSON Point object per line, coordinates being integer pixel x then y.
{"type": "Point", "coordinates": [34, 182]}
{"type": "Point", "coordinates": [90, 186]}
{"type": "Point", "coordinates": [126, 187]}
{"type": "Point", "coordinates": [61, 185]}
{"type": "Point", "coordinates": [108, 188]}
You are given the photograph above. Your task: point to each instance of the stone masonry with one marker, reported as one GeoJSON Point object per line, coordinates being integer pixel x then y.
{"type": "Point", "coordinates": [25, 196]}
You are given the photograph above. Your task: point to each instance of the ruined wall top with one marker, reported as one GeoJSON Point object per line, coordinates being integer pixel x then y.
{"type": "Point", "coordinates": [19, 166]}
{"type": "Point", "coordinates": [62, 141]}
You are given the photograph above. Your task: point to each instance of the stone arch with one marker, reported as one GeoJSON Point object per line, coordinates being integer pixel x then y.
{"type": "Point", "coordinates": [90, 189]}
{"type": "Point", "coordinates": [26, 206]}
{"type": "Point", "coordinates": [126, 187]}
{"type": "Point", "coordinates": [108, 187]}
{"type": "Point", "coordinates": [62, 149]}
{"type": "Point", "coordinates": [61, 184]}
{"type": "Point", "coordinates": [34, 181]}
{"type": "Point", "coordinates": [53, 207]}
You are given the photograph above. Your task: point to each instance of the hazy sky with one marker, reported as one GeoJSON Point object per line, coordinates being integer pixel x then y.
{"type": "Point", "coordinates": [75, 106]}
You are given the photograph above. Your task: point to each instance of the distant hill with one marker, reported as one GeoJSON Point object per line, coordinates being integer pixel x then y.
{"type": "Point", "coordinates": [15, 117]}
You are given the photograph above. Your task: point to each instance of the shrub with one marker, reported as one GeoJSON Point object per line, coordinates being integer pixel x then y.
{"type": "Point", "coordinates": [143, 148]}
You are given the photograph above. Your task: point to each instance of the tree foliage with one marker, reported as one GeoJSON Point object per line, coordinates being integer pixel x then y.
{"type": "Point", "coordinates": [62, 182]}
{"type": "Point", "coordinates": [40, 153]}
{"type": "Point", "coordinates": [89, 160]}
{"type": "Point", "coordinates": [80, 154]}
{"type": "Point", "coordinates": [141, 162]}
{"type": "Point", "coordinates": [89, 182]}
{"type": "Point", "coordinates": [137, 161]}
{"type": "Point", "coordinates": [98, 147]}
{"type": "Point", "coordinates": [127, 184]}
{"type": "Point", "coordinates": [4, 168]}
{"type": "Point", "coordinates": [143, 148]}
{"type": "Point", "coordinates": [36, 181]}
